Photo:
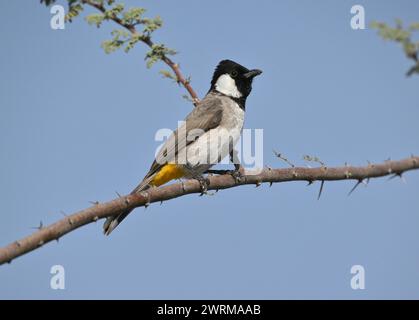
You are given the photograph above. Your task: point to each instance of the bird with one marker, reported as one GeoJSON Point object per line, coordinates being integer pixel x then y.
{"type": "Point", "coordinates": [206, 136]}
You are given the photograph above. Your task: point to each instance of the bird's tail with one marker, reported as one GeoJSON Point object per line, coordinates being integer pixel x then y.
{"type": "Point", "coordinates": [112, 222]}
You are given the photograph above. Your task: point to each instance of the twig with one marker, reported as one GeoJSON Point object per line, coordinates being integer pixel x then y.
{"type": "Point", "coordinates": [313, 159]}
{"type": "Point", "coordinates": [280, 156]}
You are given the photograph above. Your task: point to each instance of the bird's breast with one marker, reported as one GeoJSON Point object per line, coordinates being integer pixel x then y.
{"type": "Point", "coordinates": [215, 144]}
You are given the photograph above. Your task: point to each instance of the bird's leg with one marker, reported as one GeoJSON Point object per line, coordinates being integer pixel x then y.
{"type": "Point", "coordinates": [237, 173]}
{"type": "Point", "coordinates": [203, 181]}
{"type": "Point", "coordinates": [238, 169]}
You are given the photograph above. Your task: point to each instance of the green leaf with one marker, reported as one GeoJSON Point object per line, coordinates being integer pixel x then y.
{"type": "Point", "coordinates": [133, 41]}
{"type": "Point", "coordinates": [118, 33]}
{"type": "Point", "coordinates": [133, 16]}
{"type": "Point", "coordinates": [120, 37]}
{"type": "Point", "coordinates": [111, 45]}
{"type": "Point", "coordinates": [409, 48]}
{"type": "Point", "coordinates": [114, 11]}
{"type": "Point", "coordinates": [402, 36]}
{"type": "Point", "coordinates": [388, 33]}
{"type": "Point", "coordinates": [95, 19]}
{"type": "Point", "coordinates": [152, 25]}
{"type": "Point", "coordinates": [414, 26]}
{"type": "Point", "coordinates": [168, 74]}
{"type": "Point", "coordinates": [157, 52]}
{"type": "Point", "coordinates": [73, 11]}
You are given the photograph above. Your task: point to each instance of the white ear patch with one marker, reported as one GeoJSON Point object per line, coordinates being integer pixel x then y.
{"type": "Point", "coordinates": [226, 85]}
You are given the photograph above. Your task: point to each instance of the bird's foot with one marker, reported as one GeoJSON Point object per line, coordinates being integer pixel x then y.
{"type": "Point", "coordinates": [237, 174]}
{"type": "Point", "coordinates": [203, 183]}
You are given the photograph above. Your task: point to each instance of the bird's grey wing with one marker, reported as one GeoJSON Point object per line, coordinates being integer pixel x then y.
{"type": "Point", "coordinates": [204, 117]}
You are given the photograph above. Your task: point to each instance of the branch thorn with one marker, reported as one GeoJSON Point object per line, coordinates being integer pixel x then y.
{"type": "Point", "coordinates": [321, 189]}
{"type": "Point", "coordinates": [40, 226]}
{"type": "Point", "coordinates": [355, 186]}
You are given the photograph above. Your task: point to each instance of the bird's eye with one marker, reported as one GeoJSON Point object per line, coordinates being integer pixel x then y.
{"type": "Point", "coordinates": [234, 73]}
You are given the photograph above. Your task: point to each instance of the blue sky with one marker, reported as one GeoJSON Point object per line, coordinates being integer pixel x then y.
{"type": "Point", "coordinates": [76, 125]}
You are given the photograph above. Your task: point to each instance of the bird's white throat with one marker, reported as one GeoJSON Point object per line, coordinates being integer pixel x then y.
{"type": "Point", "coordinates": [226, 85]}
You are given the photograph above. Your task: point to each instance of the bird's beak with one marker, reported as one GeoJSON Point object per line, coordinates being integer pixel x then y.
{"type": "Point", "coordinates": [252, 73]}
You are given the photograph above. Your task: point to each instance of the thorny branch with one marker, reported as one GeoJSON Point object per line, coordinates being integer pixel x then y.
{"type": "Point", "coordinates": [98, 211]}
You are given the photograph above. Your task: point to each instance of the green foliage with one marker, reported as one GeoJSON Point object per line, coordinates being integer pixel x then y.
{"type": "Point", "coordinates": [133, 16]}
{"type": "Point", "coordinates": [157, 52]}
{"type": "Point", "coordinates": [130, 43]}
{"type": "Point", "coordinates": [114, 11]}
{"type": "Point", "coordinates": [168, 75]}
{"type": "Point", "coordinates": [118, 40]}
{"type": "Point", "coordinates": [95, 19]}
{"type": "Point", "coordinates": [403, 36]}
{"type": "Point", "coordinates": [74, 9]}
{"type": "Point", "coordinates": [127, 18]}
{"type": "Point", "coordinates": [151, 25]}
{"type": "Point", "coordinates": [388, 33]}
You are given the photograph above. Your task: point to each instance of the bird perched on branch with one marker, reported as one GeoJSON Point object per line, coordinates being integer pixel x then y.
{"type": "Point", "coordinates": [207, 135]}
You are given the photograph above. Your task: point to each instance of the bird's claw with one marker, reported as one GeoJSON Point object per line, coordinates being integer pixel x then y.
{"type": "Point", "coordinates": [237, 174]}
{"type": "Point", "coordinates": [203, 183]}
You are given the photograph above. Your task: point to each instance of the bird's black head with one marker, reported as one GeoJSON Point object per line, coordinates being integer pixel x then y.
{"type": "Point", "coordinates": [233, 80]}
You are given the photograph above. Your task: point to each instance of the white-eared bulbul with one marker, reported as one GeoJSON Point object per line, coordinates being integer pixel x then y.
{"type": "Point", "coordinates": [207, 135]}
